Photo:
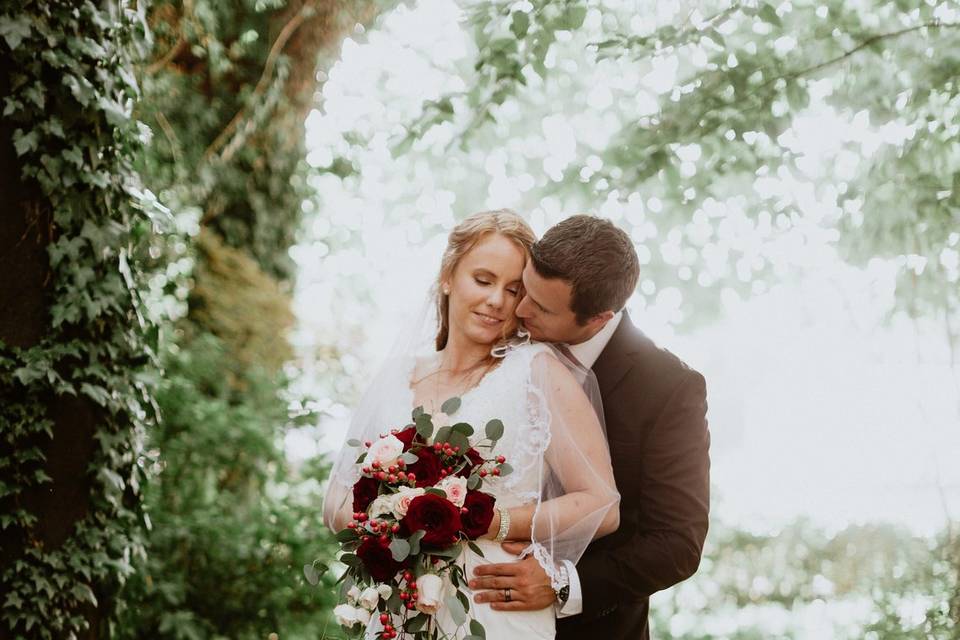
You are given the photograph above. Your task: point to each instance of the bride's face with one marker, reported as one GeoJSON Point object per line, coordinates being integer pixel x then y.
{"type": "Point", "coordinates": [484, 290]}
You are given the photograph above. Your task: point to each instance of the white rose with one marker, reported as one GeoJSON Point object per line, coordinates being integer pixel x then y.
{"type": "Point", "coordinates": [363, 616]}
{"type": "Point", "coordinates": [382, 506]}
{"type": "Point", "coordinates": [455, 488]}
{"type": "Point", "coordinates": [429, 588]}
{"type": "Point", "coordinates": [385, 451]}
{"type": "Point", "coordinates": [402, 500]}
{"type": "Point", "coordinates": [369, 598]}
{"type": "Point", "coordinates": [348, 615]}
{"type": "Point", "coordinates": [353, 594]}
{"type": "Point", "coordinates": [385, 591]}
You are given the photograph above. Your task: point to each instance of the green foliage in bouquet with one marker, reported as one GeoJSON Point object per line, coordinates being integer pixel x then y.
{"type": "Point", "coordinates": [417, 505]}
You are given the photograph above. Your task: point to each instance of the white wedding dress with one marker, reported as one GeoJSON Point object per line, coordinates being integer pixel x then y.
{"type": "Point", "coordinates": [518, 393]}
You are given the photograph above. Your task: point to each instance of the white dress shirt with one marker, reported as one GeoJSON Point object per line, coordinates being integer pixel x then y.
{"type": "Point", "coordinates": [587, 353]}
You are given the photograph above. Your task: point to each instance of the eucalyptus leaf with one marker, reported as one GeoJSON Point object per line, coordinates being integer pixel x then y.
{"type": "Point", "coordinates": [399, 549]}
{"type": "Point", "coordinates": [477, 629]}
{"type": "Point", "coordinates": [451, 406]}
{"type": "Point", "coordinates": [494, 429]}
{"type": "Point", "coordinates": [456, 610]}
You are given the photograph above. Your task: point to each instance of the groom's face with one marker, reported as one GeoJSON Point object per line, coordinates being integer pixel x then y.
{"type": "Point", "coordinates": [545, 309]}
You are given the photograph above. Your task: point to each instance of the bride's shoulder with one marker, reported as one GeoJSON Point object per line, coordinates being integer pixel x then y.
{"type": "Point", "coordinates": [534, 353]}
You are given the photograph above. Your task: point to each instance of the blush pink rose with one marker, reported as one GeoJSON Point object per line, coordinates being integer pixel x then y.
{"type": "Point", "coordinates": [455, 488]}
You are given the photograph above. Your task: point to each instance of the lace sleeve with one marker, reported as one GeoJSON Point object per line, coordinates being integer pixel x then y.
{"type": "Point", "coordinates": [578, 497]}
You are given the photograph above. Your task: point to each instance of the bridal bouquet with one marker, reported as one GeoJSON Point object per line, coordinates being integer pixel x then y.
{"type": "Point", "coordinates": [417, 503]}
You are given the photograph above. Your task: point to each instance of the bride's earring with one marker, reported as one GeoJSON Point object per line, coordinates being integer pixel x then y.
{"type": "Point", "coordinates": [446, 291]}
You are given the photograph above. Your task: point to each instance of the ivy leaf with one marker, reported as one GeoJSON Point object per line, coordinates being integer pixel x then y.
{"type": "Point", "coordinates": [24, 142]}
{"type": "Point", "coordinates": [14, 30]}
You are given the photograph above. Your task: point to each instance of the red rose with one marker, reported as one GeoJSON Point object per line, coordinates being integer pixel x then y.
{"type": "Point", "coordinates": [406, 437]}
{"type": "Point", "coordinates": [474, 459]}
{"type": "Point", "coordinates": [426, 468]}
{"type": "Point", "coordinates": [364, 492]}
{"type": "Point", "coordinates": [438, 517]}
{"type": "Point", "coordinates": [378, 560]}
{"type": "Point", "coordinates": [476, 521]}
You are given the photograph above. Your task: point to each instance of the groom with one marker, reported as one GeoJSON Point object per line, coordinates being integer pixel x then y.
{"type": "Point", "coordinates": [581, 274]}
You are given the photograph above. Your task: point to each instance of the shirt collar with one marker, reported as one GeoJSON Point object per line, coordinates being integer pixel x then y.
{"type": "Point", "coordinates": [588, 351]}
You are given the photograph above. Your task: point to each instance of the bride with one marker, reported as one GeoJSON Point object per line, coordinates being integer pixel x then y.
{"type": "Point", "coordinates": [561, 494]}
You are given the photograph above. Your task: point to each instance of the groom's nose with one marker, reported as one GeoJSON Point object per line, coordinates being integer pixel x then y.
{"type": "Point", "coordinates": [523, 308]}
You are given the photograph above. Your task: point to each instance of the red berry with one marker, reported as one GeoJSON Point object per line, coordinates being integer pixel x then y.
{"type": "Point", "coordinates": [457, 449]}
{"type": "Point", "coordinates": [381, 475]}
{"type": "Point", "coordinates": [388, 628]}
{"type": "Point", "coordinates": [395, 528]}
{"type": "Point", "coordinates": [392, 469]}
{"type": "Point", "coordinates": [351, 525]}
{"type": "Point", "coordinates": [464, 510]}
{"type": "Point", "coordinates": [483, 473]}
{"type": "Point", "coordinates": [403, 595]}
{"type": "Point", "coordinates": [392, 478]}
{"type": "Point", "coordinates": [413, 587]}
{"type": "Point", "coordinates": [375, 464]}
{"type": "Point", "coordinates": [501, 459]}
{"type": "Point", "coordinates": [407, 576]}
{"type": "Point", "coordinates": [495, 472]}
{"type": "Point", "coordinates": [384, 618]}
{"type": "Point", "coordinates": [437, 446]}
{"type": "Point", "coordinates": [412, 477]}
{"type": "Point", "coordinates": [367, 443]}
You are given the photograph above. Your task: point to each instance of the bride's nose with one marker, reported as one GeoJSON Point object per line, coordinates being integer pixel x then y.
{"type": "Point", "coordinates": [495, 299]}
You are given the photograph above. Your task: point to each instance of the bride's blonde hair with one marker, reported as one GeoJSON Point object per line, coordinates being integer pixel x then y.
{"type": "Point", "coordinates": [463, 238]}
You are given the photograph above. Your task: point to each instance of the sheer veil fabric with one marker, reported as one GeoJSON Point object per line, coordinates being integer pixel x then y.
{"type": "Point", "coordinates": [554, 438]}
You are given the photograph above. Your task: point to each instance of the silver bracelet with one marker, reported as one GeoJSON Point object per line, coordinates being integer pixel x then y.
{"type": "Point", "coordinates": [504, 525]}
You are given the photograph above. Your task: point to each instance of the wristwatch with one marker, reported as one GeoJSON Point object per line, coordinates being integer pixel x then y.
{"type": "Point", "coordinates": [563, 593]}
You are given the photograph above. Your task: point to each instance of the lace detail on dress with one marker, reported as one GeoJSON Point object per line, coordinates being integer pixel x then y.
{"type": "Point", "coordinates": [546, 561]}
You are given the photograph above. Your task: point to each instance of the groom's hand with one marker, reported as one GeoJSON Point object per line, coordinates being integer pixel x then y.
{"type": "Point", "coordinates": [530, 588]}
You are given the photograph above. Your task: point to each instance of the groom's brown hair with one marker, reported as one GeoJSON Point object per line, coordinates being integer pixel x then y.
{"type": "Point", "coordinates": [595, 257]}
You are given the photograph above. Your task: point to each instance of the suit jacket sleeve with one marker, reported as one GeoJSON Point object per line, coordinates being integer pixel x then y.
{"type": "Point", "coordinates": [671, 492]}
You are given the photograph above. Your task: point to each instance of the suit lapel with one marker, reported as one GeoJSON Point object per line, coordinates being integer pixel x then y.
{"type": "Point", "coordinates": [614, 361]}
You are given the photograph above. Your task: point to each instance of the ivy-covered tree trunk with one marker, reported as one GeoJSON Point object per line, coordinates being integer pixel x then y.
{"type": "Point", "coordinates": [76, 346]}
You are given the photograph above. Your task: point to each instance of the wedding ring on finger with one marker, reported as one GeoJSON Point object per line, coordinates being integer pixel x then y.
{"type": "Point", "coordinates": [506, 595]}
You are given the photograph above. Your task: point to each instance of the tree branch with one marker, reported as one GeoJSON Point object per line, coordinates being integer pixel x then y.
{"type": "Point", "coordinates": [262, 84]}
{"type": "Point", "coordinates": [936, 24]}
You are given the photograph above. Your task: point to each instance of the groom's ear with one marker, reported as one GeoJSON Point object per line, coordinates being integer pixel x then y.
{"type": "Point", "coordinates": [598, 321]}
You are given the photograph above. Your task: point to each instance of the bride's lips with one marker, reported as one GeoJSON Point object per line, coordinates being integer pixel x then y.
{"type": "Point", "coordinates": [490, 321]}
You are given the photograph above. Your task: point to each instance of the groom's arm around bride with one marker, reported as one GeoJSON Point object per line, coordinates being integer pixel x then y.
{"type": "Point", "coordinates": [584, 269]}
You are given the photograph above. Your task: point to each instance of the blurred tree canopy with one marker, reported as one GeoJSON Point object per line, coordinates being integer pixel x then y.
{"type": "Point", "coordinates": [688, 151]}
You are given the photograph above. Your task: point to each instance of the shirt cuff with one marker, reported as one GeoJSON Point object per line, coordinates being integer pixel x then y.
{"type": "Point", "coordinates": [574, 604]}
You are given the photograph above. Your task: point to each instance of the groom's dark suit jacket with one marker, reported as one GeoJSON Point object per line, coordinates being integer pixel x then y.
{"type": "Point", "coordinates": [655, 409]}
